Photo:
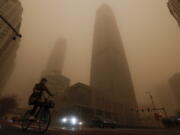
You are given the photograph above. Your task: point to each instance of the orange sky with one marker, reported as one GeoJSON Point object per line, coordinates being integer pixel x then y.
{"type": "Point", "coordinates": [149, 33]}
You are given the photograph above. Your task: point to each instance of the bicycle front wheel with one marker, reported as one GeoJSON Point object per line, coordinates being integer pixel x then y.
{"type": "Point", "coordinates": [26, 122]}
{"type": "Point", "coordinates": [44, 120]}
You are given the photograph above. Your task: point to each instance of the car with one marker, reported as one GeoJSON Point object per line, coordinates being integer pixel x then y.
{"type": "Point", "coordinates": [69, 122]}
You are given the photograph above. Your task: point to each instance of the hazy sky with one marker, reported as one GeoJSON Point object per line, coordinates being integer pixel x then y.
{"type": "Point", "coordinates": [149, 33]}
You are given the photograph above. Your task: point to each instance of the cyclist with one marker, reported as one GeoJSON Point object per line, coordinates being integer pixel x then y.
{"type": "Point", "coordinates": [36, 97]}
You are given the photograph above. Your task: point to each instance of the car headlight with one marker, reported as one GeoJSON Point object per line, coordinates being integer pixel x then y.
{"type": "Point", "coordinates": [80, 123]}
{"type": "Point", "coordinates": [73, 120]}
{"type": "Point", "coordinates": [64, 120]}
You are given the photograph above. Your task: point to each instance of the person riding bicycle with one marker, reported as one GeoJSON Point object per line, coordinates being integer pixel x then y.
{"type": "Point", "coordinates": [36, 97]}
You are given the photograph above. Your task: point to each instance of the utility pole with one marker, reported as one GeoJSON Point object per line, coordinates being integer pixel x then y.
{"type": "Point", "coordinates": [154, 106]}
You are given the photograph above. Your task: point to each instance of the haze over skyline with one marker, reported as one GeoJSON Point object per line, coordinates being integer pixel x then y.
{"type": "Point", "coordinates": [149, 33]}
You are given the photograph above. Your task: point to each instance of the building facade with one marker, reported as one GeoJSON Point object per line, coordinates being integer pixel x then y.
{"type": "Point", "coordinates": [110, 76]}
{"type": "Point", "coordinates": [174, 82]}
{"type": "Point", "coordinates": [78, 102]}
{"type": "Point", "coordinates": [79, 94]}
{"type": "Point", "coordinates": [57, 84]}
{"type": "Point", "coordinates": [11, 10]}
{"type": "Point", "coordinates": [174, 7]}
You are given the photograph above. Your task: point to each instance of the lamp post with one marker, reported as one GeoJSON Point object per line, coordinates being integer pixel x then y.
{"type": "Point", "coordinates": [152, 100]}
{"type": "Point", "coordinates": [11, 27]}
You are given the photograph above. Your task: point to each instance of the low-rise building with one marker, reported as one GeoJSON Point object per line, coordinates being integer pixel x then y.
{"type": "Point", "coordinates": [57, 84]}
{"type": "Point", "coordinates": [79, 94]}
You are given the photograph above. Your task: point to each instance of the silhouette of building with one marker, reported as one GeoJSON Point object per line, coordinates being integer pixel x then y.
{"type": "Point", "coordinates": [79, 94]}
{"type": "Point", "coordinates": [174, 82]}
{"type": "Point", "coordinates": [11, 10]}
{"type": "Point", "coordinates": [174, 7]}
{"type": "Point", "coordinates": [56, 60]}
{"type": "Point", "coordinates": [77, 101]}
{"type": "Point", "coordinates": [57, 82]}
{"type": "Point", "coordinates": [110, 77]}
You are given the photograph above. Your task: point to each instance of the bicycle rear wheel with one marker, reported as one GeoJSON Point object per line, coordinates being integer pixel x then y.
{"type": "Point", "coordinates": [26, 122]}
{"type": "Point", "coordinates": [44, 120]}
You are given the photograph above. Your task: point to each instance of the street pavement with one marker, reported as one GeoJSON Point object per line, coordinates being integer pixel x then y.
{"type": "Point", "coordinates": [11, 130]}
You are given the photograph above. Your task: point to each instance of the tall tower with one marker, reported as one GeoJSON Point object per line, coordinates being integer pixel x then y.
{"type": "Point", "coordinates": [110, 77]}
{"type": "Point", "coordinates": [57, 83]}
{"type": "Point", "coordinates": [11, 10]}
{"type": "Point", "coordinates": [56, 60]}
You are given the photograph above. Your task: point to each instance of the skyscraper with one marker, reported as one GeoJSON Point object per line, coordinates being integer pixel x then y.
{"type": "Point", "coordinates": [56, 60]}
{"type": "Point", "coordinates": [174, 7]}
{"type": "Point", "coordinates": [110, 77]}
{"type": "Point", "coordinates": [57, 82]}
{"type": "Point", "coordinates": [11, 10]}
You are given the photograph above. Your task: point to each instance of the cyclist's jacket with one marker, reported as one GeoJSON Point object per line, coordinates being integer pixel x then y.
{"type": "Point", "coordinates": [38, 91]}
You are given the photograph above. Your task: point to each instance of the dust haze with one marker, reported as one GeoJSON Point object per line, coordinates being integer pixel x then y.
{"type": "Point", "coordinates": [150, 36]}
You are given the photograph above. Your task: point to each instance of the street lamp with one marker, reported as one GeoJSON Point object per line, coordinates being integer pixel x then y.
{"type": "Point", "coordinates": [155, 109]}
{"type": "Point", "coordinates": [11, 27]}
{"type": "Point", "coordinates": [152, 100]}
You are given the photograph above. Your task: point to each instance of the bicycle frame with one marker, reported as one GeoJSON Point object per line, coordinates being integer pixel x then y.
{"type": "Point", "coordinates": [40, 109]}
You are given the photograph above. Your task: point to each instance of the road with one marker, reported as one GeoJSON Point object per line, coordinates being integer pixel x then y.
{"type": "Point", "coordinates": [17, 131]}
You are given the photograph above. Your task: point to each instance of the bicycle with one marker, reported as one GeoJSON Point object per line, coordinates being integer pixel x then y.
{"type": "Point", "coordinates": [42, 116]}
